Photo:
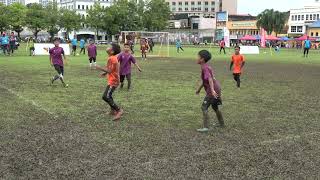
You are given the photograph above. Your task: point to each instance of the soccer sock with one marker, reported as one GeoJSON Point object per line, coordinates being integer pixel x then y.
{"type": "Point", "coordinates": [90, 64]}
{"type": "Point", "coordinates": [205, 119]}
{"type": "Point", "coordinates": [220, 118]}
{"type": "Point", "coordinates": [54, 78]}
{"type": "Point", "coordinates": [129, 83]}
{"type": "Point", "coordinates": [238, 82]}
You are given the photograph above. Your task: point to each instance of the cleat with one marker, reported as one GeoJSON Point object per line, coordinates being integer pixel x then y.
{"type": "Point", "coordinates": [203, 130]}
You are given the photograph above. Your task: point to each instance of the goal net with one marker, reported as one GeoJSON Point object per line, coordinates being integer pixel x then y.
{"type": "Point", "coordinates": [158, 42]}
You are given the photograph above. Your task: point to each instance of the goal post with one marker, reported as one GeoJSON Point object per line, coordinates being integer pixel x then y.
{"type": "Point", "coordinates": [160, 40]}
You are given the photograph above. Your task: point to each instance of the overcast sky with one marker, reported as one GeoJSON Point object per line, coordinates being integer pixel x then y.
{"type": "Point", "coordinates": [254, 7]}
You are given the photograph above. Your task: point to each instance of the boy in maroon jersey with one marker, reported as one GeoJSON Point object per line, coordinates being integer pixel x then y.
{"type": "Point", "coordinates": [57, 60]}
{"type": "Point", "coordinates": [92, 53]}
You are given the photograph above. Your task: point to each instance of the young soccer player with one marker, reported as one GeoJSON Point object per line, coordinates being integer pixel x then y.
{"type": "Point", "coordinates": [92, 53]}
{"type": "Point", "coordinates": [307, 46]}
{"type": "Point", "coordinates": [125, 59]}
{"type": "Point", "coordinates": [212, 88]}
{"type": "Point", "coordinates": [82, 46]}
{"type": "Point", "coordinates": [12, 43]}
{"type": "Point", "coordinates": [57, 60]}
{"type": "Point", "coordinates": [74, 43]}
{"type": "Point", "coordinates": [237, 63]}
{"type": "Point", "coordinates": [144, 49]}
{"type": "Point", "coordinates": [111, 70]}
{"type": "Point", "coordinates": [30, 44]}
{"type": "Point", "coordinates": [179, 45]}
{"type": "Point", "coordinates": [5, 44]}
{"type": "Point", "coordinates": [222, 46]}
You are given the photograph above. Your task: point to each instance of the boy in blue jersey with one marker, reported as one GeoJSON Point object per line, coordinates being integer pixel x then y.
{"type": "Point", "coordinates": [74, 43]}
{"type": "Point", "coordinates": [5, 44]}
{"type": "Point", "coordinates": [82, 46]}
{"type": "Point", "coordinates": [307, 46]}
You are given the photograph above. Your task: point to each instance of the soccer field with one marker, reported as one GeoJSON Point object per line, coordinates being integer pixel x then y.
{"type": "Point", "coordinates": [51, 132]}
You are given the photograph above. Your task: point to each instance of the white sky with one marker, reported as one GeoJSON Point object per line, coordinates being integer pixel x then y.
{"type": "Point", "coordinates": [254, 7]}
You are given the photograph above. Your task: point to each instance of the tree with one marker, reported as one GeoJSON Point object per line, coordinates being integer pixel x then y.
{"type": "Point", "coordinates": [110, 25]}
{"type": "Point", "coordinates": [128, 17]}
{"type": "Point", "coordinates": [70, 21]}
{"type": "Point", "coordinates": [35, 18]}
{"type": "Point", "coordinates": [3, 20]}
{"type": "Point", "coordinates": [95, 18]}
{"type": "Point", "coordinates": [272, 21]}
{"type": "Point", "coordinates": [17, 18]}
{"type": "Point", "coordinates": [156, 15]}
{"type": "Point", "coordinates": [52, 17]}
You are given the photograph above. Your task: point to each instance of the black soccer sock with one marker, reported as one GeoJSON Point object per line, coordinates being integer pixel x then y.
{"type": "Point", "coordinates": [129, 82]}
{"type": "Point", "coordinates": [220, 118]}
{"type": "Point", "coordinates": [56, 77]}
{"type": "Point", "coordinates": [205, 119]}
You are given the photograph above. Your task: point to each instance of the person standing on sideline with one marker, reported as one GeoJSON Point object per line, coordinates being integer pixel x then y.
{"type": "Point", "coordinates": [222, 46]}
{"type": "Point", "coordinates": [5, 44]}
{"type": "Point", "coordinates": [307, 46]}
{"type": "Point", "coordinates": [82, 46]}
{"type": "Point", "coordinates": [74, 43]}
{"type": "Point", "coordinates": [13, 41]}
{"type": "Point", "coordinates": [30, 44]}
{"type": "Point", "coordinates": [179, 45]}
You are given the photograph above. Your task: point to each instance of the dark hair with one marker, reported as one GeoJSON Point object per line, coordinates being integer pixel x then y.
{"type": "Point", "coordinates": [206, 55]}
{"type": "Point", "coordinates": [115, 48]}
{"type": "Point", "coordinates": [237, 47]}
{"type": "Point", "coordinates": [126, 44]}
{"type": "Point", "coordinates": [56, 39]}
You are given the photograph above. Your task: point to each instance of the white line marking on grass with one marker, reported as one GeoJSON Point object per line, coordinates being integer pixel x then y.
{"type": "Point", "coordinates": [288, 138]}
{"type": "Point", "coordinates": [32, 102]}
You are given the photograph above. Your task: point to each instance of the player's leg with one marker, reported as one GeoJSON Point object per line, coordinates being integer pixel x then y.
{"type": "Point", "coordinates": [107, 97]}
{"type": "Point", "coordinates": [128, 76]}
{"type": "Point", "coordinates": [205, 106]}
{"type": "Point", "coordinates": [307, 52]}
{"type": "Point", "coordinates": [304, 52]}
{"type": "Point", "coordinates": [178, 49]}
{"type": "Point", "coordinates": [122, 77]}
{"type": "Point", "coordinates": [238, 80]}
{"type": "Point", "coordinates": [61, 75]}
{"type": "Point", "coordinates": [224, 50]}
{"type": "Point", "coordinates": [215, 107]}
{"type": "Point", "coordinates": [90, 62]}
{"type": "Point", "coordinates": [220, 50]}
{"type": "Point", "coordinates": [181, 48]}
{"type": "Point", "coordinates": [94, 62]}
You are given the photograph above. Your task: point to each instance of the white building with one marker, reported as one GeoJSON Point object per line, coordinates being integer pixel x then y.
{"type": "Point", "coordinates": [8, 2]}
{"type": "Point", "coordinates": [300, 19]}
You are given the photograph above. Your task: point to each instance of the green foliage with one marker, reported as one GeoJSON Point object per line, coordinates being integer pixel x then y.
{"type": "Point", "coordinates": [272, 21]}
{"type": "Point", "coordinates": [3, 20]}
{"type": "Point", "coordinates": [35, 18]}
{"type": "Point", "coordinates": [156, 15]}
{"type": "Point", "coordinates": [70, 20]}
{"type": "Point", "coordinates": [95, 16]}
{"type": "Point", "coordinates": [17, 18]}
{"type": "Point", "coordinates": [53, 19]}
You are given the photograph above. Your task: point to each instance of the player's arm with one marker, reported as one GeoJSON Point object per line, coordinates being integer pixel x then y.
{"type": "Point", "coordinates": [214, 93]}
{"type": "Point", "coordinates": [50, 60]}
{"type": "Point", "coordinates": [231, 65]}
{"type": "Point", "coordinates": [138, 67]}
{"type": "Point", "coordinates": [199, 88]}
{"type": "Point", "coordinates": [135, 63]}
{"type": "Point", "coordinates": [243, 62]}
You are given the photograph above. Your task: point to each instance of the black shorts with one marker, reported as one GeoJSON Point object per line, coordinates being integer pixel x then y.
{"type": "Point", "coordinates": [59, 69]}
{"type": "Point", "coordinates": [74, 48]}
{"type": "Point", "coordinates": [211, 101]}
{"type": "Point", "coordinates": [92, 59]}
{"type": "Point", "coordinates": [122, 77]}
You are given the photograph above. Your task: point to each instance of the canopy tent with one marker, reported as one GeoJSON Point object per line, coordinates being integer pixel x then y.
{"type": "Point", "coordinates": [304, 37]}
{"type": "Point", "coordinates": [248, 38]}
{"type": "Point", "coordinates": [285, 39]}
{"type": "Point", "coordinates": [258, 37]}
{"type": "Point", "coordinates": [272, 38]}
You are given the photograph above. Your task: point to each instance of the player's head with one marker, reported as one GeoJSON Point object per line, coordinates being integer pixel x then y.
{"type": "Point", "coordinates": [237, 50]}
{"type": "Point", "coordinates": [12, 33]}
{"type": "Point", "coordinates": [56, 41]}
{"type": "Point", "coordinates": [126, 47]}
{"type": "Point", "coordinates": [307, 37]}
{"type": "Point", "coordinates": [91, 41]}
{"type": "Point", "coordinates": [3, 34]}
{"type": "Point", "coordinates": [114, 49]}
{"type": "Point", "coordinates": [203, 56]}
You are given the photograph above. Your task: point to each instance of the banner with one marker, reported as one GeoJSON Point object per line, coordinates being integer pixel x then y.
{"type": "Point", "coordinates": [43, 48]}
{"type": "Point", "coordinates": [249, 50]}
{"type": "Point", "coordinates": [226, 36]}
{"type": "Point", "coordinates": [263, 38]}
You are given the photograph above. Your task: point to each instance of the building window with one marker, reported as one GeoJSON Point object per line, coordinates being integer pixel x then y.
{"type": "Point", "coordinates": [173, 9]}
{"type": "Point", "coordinates": [314, 16]}
{"type": "Point", "coordinates": [317, 34]}
{"type": "Point", "coordinates": [192, 2]}
{"type": "Point", "coordinates": [302, 17]}
{"type": "Point", "coordinates": [199, 2]}
{"type": "Point", "coordinates": [213, 3]}
{"type": "Point", "coordinates": [78, 6]}
{"type": "Point", "coordinates": [311, 33]}
{"type": "Point", "coordinates": [299, 28]}
{"type": "Point", "coordinates": [192, 9]}
{"type": "Point", "coordinates": [82, 6]}
{"type": "Point", "coordinates": [213, 9]}
{"type": "Point", "coordinates": [310, 17]}
{"type": "Point", "coordinates": [299, 18]}
{"type": "Point", "coordinates": [87, 7]}
{"type": "Point", "coordinates": [307, 17]}
{"type": "Point", "coordinates": [293, 29]}
{"type": "Point", "coordinates": [318, 16]}
{"type": "Point", "coordinates": [180, 9]}
{"type": "Point", "coordinates": [206, 9]}
{"type": "Point", "coordinates": [296, 17]}
{"type": "Point", "coordinates": [180, 3]}
{"type": "Point", "coordinates": [173, 3]}
{"type": "Point", "coordinates": [292, 18]}
{"type": "Point", "coordinates": [186, 3]}
{"type": "Point", "coordinates": [206, 3]}
{"type": "Point", "coordinates": [186, 9]}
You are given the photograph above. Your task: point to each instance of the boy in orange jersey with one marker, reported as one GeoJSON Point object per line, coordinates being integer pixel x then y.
{"type": "Point", "coordinates": [144, 48]}
{"type": "Point", "coordinates": [111, 70]}
{"type": "Point", "coordinates": [237, 63]}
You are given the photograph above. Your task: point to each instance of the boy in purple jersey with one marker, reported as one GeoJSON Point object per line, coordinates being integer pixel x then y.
{"type": "Point", "coordinates": [125, 59]}
{"type": "Point", "coordinates": [212, 88]}
{"type": "Point", "coordinates": [57, 60]}
{"type": "Point", "coordinates": [92, 53]}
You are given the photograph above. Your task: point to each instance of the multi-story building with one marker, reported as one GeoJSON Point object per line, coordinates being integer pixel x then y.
{"type": "Point", "coordinates": [301, 19]}
{"type": "Point", "coordinates": [8, 2]}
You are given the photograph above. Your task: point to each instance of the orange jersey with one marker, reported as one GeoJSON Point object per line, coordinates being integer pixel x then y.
{"type": "Point", "coordinates": [113, 77]}
{"type": "Point", "coordinates": [237, 63]}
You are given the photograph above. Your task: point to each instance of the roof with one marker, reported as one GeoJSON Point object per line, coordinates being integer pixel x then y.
{"type": "Point", "coordinates": [315, 24]}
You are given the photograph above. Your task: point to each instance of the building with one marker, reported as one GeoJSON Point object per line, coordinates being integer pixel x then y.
{"type": "Point", "coordinates": [9, 2]}
{"type": "Point", "coordinates": [241, 25]}
{"type": "Point", "coordinates": [314, 29]}
{"type": "Point", "coordinates": [301, 19]}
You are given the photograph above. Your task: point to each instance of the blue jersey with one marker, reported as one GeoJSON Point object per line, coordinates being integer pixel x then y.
{"type": "Point", "coordinates": [82, 43]}
{"type": "Point", "coordinates": [4, 40]}
{"type": "Point", "coordinates": [307, 44]}
{"type": "Point", "coordinates": [74, 42]}
{"type": "Point", "coordinates": [178, 44]}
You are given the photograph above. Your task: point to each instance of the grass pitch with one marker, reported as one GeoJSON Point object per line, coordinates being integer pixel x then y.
{"type": "Point", "coordinates": [51, 132]}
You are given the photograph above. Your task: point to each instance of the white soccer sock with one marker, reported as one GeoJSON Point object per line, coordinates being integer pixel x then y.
{"type": "Point", "coordinates": [90, 64]}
